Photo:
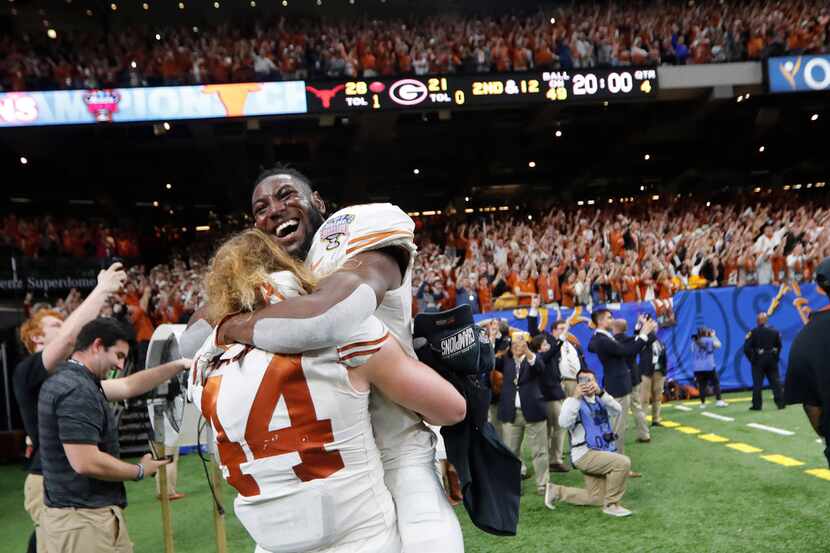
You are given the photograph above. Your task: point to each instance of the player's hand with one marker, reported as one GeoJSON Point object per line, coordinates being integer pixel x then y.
{"type": "Point", "coordinates": [111, 280]}
{"type": "Point", "coordinates": [452, 483]}
{"type": "Point", "coordinates": [185, 363]}
{"type": "Point", "coordinates": [151, 466]}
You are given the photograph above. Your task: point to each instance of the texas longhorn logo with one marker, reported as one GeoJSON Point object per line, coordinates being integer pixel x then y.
{"type": "Point", "coordinates": [326, 95]}
{"type": "Point", "coordinates": [102, 103]}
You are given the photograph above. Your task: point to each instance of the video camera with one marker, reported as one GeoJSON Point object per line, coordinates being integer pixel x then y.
{"type": "Point", "coordinates": [702, 332]}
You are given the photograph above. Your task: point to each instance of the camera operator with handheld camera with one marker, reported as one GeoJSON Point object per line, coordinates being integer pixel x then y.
{"type": "Point", "coordinates": [587, 417]}
{"type": "Point", "coordinates": [704, 344]}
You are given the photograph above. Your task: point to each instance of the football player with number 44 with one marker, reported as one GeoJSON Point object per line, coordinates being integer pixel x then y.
{"type": "Point", "coordinates": [362, 257]}
{"type": "Point", "coordinates": [293, 431]}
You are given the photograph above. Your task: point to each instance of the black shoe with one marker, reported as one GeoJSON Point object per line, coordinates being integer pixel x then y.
{"type": "Point", "coordinates": [755, 409]}
{"type": "Point", "coordinates": [657, 424]}
{"type": "Point", "coordinates": [782, 406]}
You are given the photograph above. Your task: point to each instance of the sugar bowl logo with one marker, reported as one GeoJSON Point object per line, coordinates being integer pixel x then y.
{"type": "Point", "coordinates": [335, 229]}
{"type": "Point", "coordinates": [102, 104]}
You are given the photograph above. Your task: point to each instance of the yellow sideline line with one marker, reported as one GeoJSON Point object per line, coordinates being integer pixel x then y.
{"type": "Point", "coordinates": [782, 460]}
{"type": "Point", "coordinates": [744, 448]}
{"type": "Point", "coordinates": [824, 474]}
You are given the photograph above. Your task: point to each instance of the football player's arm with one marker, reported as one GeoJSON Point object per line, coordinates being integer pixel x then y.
{"type": "Point", "coordinates": [117, 389]}
{"type": "Point", "coordinates": [197, 331]}
{"type": "Point", "coordinates": [415, 386]}
{"type": "Point", "coordinates": [324, 318]}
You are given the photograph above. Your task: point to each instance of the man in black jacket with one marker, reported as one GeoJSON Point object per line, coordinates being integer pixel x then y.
{"type": "Point", "coordinates": [554, 395]}
{"type": "Point", "coordinates": [569, 356]}
{"type": "Point", "coordinates": [762, 348]}
{"type": "Point", "coordinates": [522, 409]}
{"type": "Point", "coordinates": [612, 354]}
{"type": "Point", "coordinates": [620, 329]}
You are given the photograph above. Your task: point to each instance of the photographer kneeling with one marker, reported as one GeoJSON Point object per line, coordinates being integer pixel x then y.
{"type": "Point", "coordinates": [587, 416]}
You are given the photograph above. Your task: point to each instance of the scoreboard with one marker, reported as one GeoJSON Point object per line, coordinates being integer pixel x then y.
{"type": "Point", "coordinates": [489, 89]}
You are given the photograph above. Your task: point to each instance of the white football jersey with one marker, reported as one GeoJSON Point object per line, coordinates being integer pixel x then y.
{"type": "Point", "coordinates": [401, 435]}
{"type": "Point", "coordinates": [295, 440]}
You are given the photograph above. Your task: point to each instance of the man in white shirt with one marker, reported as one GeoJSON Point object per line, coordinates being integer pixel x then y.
{"type": "Point", "coordinates": [586, 415]}
{"type": "Point", "coordinates": [765, 248]}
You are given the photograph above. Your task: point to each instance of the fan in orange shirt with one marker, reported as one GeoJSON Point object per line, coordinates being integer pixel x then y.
{"type": "Point", "coordinates": [485, 295]}
{"type": "Point", "coordinates": [569, 291]}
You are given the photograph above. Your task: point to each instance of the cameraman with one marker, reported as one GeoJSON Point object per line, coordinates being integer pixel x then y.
{"type": "Point", "coordinates": [704, 344]}
{"type": "Point", "coordinates": [587, 417]}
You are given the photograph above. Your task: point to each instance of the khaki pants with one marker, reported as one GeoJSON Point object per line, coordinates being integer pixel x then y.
{"type": "Point", "coordinates": [33, 503]}
{"type": "Point", "coordinates": [556, 435]}
{"type": "Point", "coordinates": [73, 530]}
{"type": "Point", "coordinates": [493, 417]}
{"type": "Point", "coordinates": [651, 391]}
{"type": "Point", "coordinates": [620, 423]}
{"type": "Point", "coordinates": [569, 386]}
{"type": "Point", "coordinates": [639, 415]}
{"type": "Point", "coordinates": [172, 469]}
{"type": "Point", "coordinates": [537, 440]}
{"type": "Point", "coordinates": [605, 475]}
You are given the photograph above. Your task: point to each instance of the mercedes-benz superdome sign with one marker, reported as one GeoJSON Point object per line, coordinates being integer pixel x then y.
{"type": "Point", "coordinates": [798, 74]}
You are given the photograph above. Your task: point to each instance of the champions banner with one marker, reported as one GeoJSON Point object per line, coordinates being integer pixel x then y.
{"type": "Point", "coordinates": [799, 73]}
{"type": "Point", "coordinates": [730, 312]}
{"type": "Point", "coordinates": [162, 103]}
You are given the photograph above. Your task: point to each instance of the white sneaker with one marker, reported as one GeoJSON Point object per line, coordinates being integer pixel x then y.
{"type": "Point", "coordinates": [703, 406]}
{"type": "Point", "coordinates": [721, 403]}
{"type": "Point", "coordinates": [617, 511]}
{"type": "Point", "coordinates": [550, 497]}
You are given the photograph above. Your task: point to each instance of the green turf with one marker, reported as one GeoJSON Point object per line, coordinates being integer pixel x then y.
{"type": "Point", "coordinates": [695, 497]}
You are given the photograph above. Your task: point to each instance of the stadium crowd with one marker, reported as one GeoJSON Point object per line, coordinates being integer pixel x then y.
{"type": "Point", "coordinates": [576, 35]}
{"type": "Point", "coordinates": [622, 254]}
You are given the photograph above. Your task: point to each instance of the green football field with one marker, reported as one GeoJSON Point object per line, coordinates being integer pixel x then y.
{"type": "Point", "coordinates": [766, 493]}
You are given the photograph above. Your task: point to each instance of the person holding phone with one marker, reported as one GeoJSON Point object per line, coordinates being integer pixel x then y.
{"type": "Point", "coordinates": [587, 416]}
{"type": "Point", "coordinates": [83, 478]}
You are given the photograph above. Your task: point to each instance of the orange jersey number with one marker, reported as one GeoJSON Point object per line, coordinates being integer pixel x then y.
{"type": "Point", "coordinates": [307, 435]}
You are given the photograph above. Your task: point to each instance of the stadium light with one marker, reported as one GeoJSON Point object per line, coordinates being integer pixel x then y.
{"type": "Point", "coordinates": [168, 186]}
{"type": "Point", "coordinates": [531, 164]}
{"type": "Point", "coordinates": [610, 200]}
{"type": "Point", "coordinates": [181, 5]}
{"type": "Point", "coordinates": [23, 160]}
{"type": "Point", "coordinates": [553, 21]}
{"type": "Point", "coordinates": [814, 117]}
{"type": "Point", "coordinates": [580, 202]}
{"type": "Point", "coordinates": [708, 204]}
{"type": "Point", "coordinates": [466, 198]}
{"type": "Point", "coordinates": [114, 6]}
{"type": "Point", "coordinates": [591, 202]}
{"type": "Point", "coordinates": [203, 228]}
{"type": "Point", "coordinates": [740, 98]}
{"type": "Point", "coordinates": [529, 217]}
{"type": "Point", "coordinates": [757, 189]}
{"type": "Point", "coordinates": [284, 3]}
{"type": "Point", "coordinates": [558, 134]}
{"type": "Point", "coordinates": [253, 4]}
{"type": "Point", "coordinates": [155, 204]}
{"type": "Point", "coordinates": [51, 33]}
{"type": "Point", "coordinates": [351, 2]}
{"type": "Point", "coordinates": [647, 157]}
{"type": "Point", "coordinates": [146, 6]}
{"type": "Point", "coordinates": [469, 210]}
{"type": "Point", "coordinates": [158, 36]}
{"type": "Point", "coordinates": [655, 197]}
{"type": "Point", "coordinates": [416, 171]}
{"type": "Point", "coordinates": [319, 2]}
{"type": "Point", "coordinates": [89, 13]}
{"type": "Point", "coordinates": [216, 5]}
{"type": "Point", "coordinates": [166, 126]}
{"type": "Point", "coordinates": [133, 64]}
{"type": "Point", "coordinates": [642, 188]}
{"type": "Point", "coordinates": [747, 96]}
{"type": "Point", "coordinates": [761, 149]}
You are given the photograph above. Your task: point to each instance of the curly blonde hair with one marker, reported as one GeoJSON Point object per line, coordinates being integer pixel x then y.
{"type": "Point", "coordinates": [239, 272]}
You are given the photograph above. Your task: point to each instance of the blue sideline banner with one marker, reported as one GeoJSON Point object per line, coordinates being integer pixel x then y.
{"type": "Point", "coordinates": [799, 73]}
{"type": "Point", "coordinates": [161, 103]}
{"type": "Point", "coordinates": [730, 312]}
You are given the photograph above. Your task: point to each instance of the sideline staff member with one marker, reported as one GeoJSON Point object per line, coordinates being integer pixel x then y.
{"type": "Point", "coordinates": [762, 348]}
{"type": "Point", "coordinates": [808, 374]}
{"type": "Point", "coordinates": [82, 476]}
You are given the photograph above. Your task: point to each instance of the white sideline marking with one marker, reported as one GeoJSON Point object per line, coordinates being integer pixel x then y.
{"type": "Point", "coordinates": [771, 429]}
{"type": "Point", "coordinates": [718, 417]}
{"type": "Point", "coordinates": [682, 408]}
